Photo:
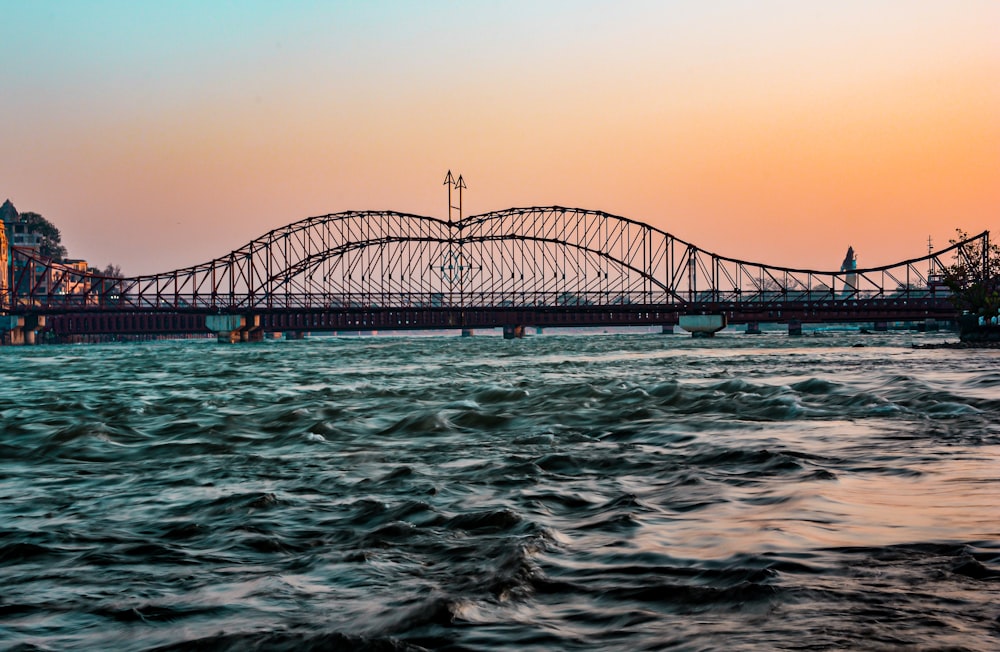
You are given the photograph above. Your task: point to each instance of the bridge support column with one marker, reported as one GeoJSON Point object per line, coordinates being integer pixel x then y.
{"type": "Point", "coordinates": [15, 326]}
{"type": "Point", "coordinates": [794, 327]}
{"type": "Point", "coordinates": [226, 327]}
{"type": "Point", "coordinates": [294, 335]}
{"type": "Point", "coordinates": [703, 325]}
{"type": "Point", "coordinates": [31, 325]}
{"type": "Point", "coordinates": [251, 331]}
{"type": "Point", "coordinates": [881, 326]}
{"type": "Point", "coordinates": [753, 328]}
{"type": "Point", "coordinates": [467, 332]}
{"type": "Point", "coordinates": [931, 325]}
{"type": "Point", "coordinates": [513, 331]}
{"type": "Point", "coordinates": [667, 329]}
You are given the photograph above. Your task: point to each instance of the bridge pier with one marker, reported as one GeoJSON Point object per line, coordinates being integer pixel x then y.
{"type": "Point", "coordinates": [513, 331]}
{"type": "Point", "coordinates": [252, 331]}
{"type": "Point", "coordinates": [21, 330]}
{"type": "Point", "coordinates": [753, 328]}
{"type": "Point", "coordinates": [703, 325]}
{"type": "Point", "coordinates": [667, 329]}
{"type": "Point", "coordinates": [881, 327]}
{"type": "Point", "coordinates": [15, 326]}
{"type": "Point", "coordinates": [30, 329]}
{"type": "Point", "coordinates": [467, 332]}
{"type": "Point", "coordinates": [794, 327]}
{"type": "Point", "coordinates": [227, 328]}
{"type": "Point", "coordinates": [27, 331]}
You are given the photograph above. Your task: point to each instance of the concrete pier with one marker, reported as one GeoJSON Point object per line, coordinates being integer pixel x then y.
{"type": "Point", "coordinates": [667, 329]}
{"type": "Point", "coordinates": [513, 331]}
{"type": "Point", "coordinates": [703, 325]}
{"type": "Point", "coordinates": [252, 331]}
{"type": "Point", "coordinates": [226, 327]}
{"type": "Point", "coordinates": [22, 330]}
{"type": "Point", "coordinates": [753, 328]}
{"type": "Point", "coordinates": [794, 327]}
{"type": "Point", "coordinates": [15, 326]}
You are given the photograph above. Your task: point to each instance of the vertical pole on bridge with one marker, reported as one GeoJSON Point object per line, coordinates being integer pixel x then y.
{"type": "Point", "coordinates": [450, 182]}
{"type": "Point", "coordinates": [456, 263]}
{"type": "Point", "coordinates": [460, 185]}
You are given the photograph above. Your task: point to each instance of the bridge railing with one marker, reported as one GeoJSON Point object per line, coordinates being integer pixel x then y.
{"type": "Point", "coordinates": [541, 300]}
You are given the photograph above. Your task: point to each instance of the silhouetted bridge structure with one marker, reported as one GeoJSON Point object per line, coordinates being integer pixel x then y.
{"type": "Point", "coordinates": [536, 266]}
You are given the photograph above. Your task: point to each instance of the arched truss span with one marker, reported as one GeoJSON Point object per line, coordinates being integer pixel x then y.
{"type": "Point", "coordinates": [523, 257]}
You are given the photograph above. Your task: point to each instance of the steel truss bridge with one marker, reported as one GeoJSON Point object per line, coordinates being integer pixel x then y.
{"type": "Point", "coordinates": [536, 266]}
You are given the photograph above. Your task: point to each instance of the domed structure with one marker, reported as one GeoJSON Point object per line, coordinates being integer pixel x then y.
{"type": "Point", "coordinates": [8, 213]}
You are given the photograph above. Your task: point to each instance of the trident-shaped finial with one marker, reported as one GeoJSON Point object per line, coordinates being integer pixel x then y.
{"type": "Point", "coordinates": [459, 185]}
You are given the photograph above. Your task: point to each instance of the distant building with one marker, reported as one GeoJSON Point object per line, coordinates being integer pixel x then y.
{"type": "Point", "coordinates": [8, 213]}
{"type": "Point", "coordinates": [55, 278]}
{"type": "Point", "coordinates": [8, 217]}
{"type": "Point", "coordinates": [74, 282]}
{"type": "Point", "coordinates": [18, 235]}
{"type": "Point", "coordinates": [22, 236]}
{"type": "Point", "coordinates": [4, 261]}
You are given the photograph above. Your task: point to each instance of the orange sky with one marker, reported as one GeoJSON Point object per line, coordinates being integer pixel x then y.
{"type": "Point", "coordinates": [774, 131]}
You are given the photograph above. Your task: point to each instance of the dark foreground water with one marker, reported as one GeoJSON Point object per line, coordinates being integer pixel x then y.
{"type": "Point", "coordinates": [623, 492]}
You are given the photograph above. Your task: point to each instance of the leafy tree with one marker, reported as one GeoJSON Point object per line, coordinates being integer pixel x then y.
{"type": "Point", "coordinates": [50, 244]}
{"type": "Point", "coordinates": [974, 277]}
{"type": "Point", "coordinates": [113, 271]}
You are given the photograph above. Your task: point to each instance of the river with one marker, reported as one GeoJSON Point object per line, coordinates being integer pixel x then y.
{"type": "Point", "coordinates": [561, 492]}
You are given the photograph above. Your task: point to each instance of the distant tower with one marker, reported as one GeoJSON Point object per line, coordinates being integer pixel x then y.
{"type": "Point", "coordinates": [4, 264]}
{"type": "Point", "coordinates": [849, 265]}
{"type": "Point", "coordinates": [8, 217]}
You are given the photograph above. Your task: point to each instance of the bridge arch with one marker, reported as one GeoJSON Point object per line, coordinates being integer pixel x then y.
{"type": "Point", "coordinates": [532, 256]}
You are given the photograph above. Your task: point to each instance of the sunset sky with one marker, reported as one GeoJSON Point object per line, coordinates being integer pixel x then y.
{"type": "Point", "coordinates": [160, 135]}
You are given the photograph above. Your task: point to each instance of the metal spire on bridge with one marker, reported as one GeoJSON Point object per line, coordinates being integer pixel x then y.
{"type": "Point", "coordinates": [457, 184]}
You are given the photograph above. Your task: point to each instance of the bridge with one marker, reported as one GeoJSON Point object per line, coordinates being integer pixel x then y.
{"type": "Point", "coordinates": [535, 266]}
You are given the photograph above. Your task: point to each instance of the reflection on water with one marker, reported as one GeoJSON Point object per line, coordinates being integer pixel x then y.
{"type": "Point", "coordinates": [609, 492]}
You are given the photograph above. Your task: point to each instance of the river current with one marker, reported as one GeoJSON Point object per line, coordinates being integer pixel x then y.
{"type": "Point", "coordinates": [560, 492]}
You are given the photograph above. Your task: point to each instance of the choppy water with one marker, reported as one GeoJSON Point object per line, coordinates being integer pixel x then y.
{"type": "Point", "coordinates": [558, 493]}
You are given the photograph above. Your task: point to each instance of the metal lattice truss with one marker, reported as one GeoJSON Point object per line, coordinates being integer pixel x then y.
{"type": "Point", "coordinates": [525, 257]}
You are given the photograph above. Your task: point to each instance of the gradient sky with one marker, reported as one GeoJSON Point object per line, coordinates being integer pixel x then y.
{"type": "Point", "coordinates": [160, 135]}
